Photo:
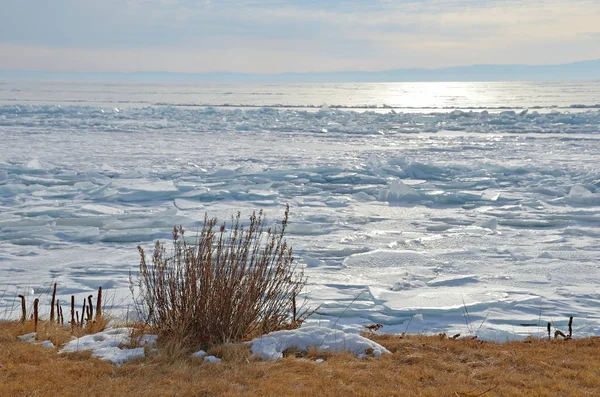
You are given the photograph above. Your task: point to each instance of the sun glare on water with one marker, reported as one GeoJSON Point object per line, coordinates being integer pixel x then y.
{"type": "Point", "coordinates": [438, 95]}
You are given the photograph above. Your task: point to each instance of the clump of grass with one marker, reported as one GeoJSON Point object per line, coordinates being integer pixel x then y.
{"type": "Point", "coordinates": [229, 284]}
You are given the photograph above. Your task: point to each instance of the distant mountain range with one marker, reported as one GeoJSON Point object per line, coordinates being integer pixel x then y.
{"type": "Point", "coordinates": [584, 70]}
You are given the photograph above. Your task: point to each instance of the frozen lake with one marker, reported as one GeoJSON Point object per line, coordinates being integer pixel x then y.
{"type": "Point", "coordinates": [403, 216]}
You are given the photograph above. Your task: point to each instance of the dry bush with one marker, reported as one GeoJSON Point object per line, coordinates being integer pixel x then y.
{"type": "Point", "coordinates": [225, 286]}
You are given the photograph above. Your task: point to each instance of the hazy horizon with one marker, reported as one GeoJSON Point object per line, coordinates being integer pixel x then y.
{"type": "Point", "coordinates": [583, 70]}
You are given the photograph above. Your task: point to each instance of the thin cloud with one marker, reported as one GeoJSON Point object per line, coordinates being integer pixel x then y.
{"type": "Point", "coordinates": [331, 34]}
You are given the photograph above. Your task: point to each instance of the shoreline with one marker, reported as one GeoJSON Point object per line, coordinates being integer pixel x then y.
{"type": "Point", "coordinates": [417, 365]}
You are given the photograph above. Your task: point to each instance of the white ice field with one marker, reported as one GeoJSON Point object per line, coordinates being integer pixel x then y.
{"type": "Point", "coordinates": [408, 219]}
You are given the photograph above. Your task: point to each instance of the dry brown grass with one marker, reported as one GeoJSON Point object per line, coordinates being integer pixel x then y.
{"type": "Point", "coordinates": [51, 331]}
{"type": "Point", "coordinates": [418, 366]}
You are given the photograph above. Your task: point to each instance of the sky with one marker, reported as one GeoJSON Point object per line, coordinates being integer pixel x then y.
{"type": "Point", "coordinates": [275, 36]}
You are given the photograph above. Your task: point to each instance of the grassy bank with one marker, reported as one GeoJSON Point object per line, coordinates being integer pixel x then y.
{"type": "Point", "coordinates": [418, 366]}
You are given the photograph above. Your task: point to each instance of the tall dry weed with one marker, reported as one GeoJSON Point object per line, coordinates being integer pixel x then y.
{"type": "Point", "coordinates": [229, 284]}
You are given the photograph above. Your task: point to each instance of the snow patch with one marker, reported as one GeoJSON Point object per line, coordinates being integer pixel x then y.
{"type": "Point", "coordinates": [118, 356]}
{"type": "Point", "coordinates": [199, 354]}
{"type": "Point", "coordinates": [28, 337]}
{"type": "Point", "coordinates": [47, 344]}
{"type": "Point", "coordinates": [31, 338]}
{"type": "Point", "coordinates": [272, 346]}
{"type": "Point", "coordinates": [106, 345]}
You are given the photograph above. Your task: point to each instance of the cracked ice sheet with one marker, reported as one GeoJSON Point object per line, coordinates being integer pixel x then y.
{"type": "Point", "coordinates": [501, 211]}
